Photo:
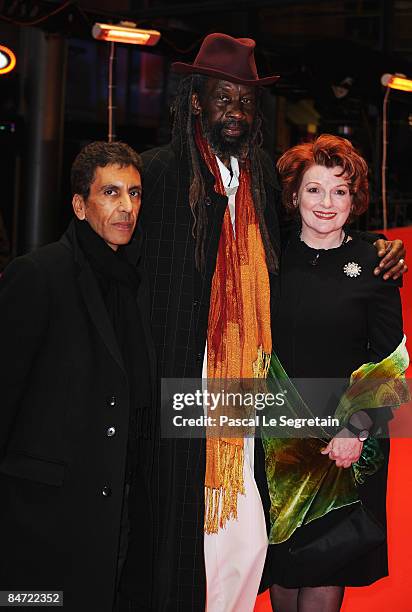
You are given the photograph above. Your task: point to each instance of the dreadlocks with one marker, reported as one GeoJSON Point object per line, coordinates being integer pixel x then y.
{"type": "Point", "coordinates": [183, 131]}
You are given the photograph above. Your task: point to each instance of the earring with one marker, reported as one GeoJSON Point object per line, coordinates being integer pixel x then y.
{"type": "Point", "coordinates": [295, 201]}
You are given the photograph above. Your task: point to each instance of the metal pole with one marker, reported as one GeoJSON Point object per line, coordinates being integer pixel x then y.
{"type": "Point", "coordinates": [384, 157]}
{"type": "Point", "coordinates": [387, 12]}
{"type": "Point", "coordinates": [111, 97]}
{"type": "Point", "coordinates": [45, 77]}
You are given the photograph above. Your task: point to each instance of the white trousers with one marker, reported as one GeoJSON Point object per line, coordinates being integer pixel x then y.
{"type": "Point", "coordinates": [235, 556]}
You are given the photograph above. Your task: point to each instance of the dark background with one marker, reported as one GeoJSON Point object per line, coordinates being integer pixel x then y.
{"type": "Point", "coordinates": [330, 55]}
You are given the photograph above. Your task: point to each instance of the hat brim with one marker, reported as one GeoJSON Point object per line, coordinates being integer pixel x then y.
{"type": "Point", "coordinates": [183, 68]}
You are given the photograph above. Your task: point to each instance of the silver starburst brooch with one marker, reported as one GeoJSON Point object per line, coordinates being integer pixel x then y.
{"type": "Point", "coordinates": [352, 269]}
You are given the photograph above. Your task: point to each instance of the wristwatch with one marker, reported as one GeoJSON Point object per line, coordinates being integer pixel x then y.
{"type": "Point", "coordinates": [361, 434]}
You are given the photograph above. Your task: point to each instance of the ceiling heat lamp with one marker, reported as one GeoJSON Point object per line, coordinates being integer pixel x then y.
{"type": "Point", "coordinates": [401, 83]}
{"type": "Point", "coordinates": [396, 81]}
{"type": "Point", "coordinates": [125, 32]}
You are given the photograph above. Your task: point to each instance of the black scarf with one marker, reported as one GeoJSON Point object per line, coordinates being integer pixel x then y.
{"type": "Point", "coordinates": [118, 278]}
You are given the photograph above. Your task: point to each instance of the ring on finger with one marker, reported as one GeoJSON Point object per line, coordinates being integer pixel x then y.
{"type": "Point", "coordinates": [401, 261]}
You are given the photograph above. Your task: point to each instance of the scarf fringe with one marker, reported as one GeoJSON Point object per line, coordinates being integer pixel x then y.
{"type": "Point", "coordinates": [262, 364]}
{"type": "Point", "coordinates": [221, 504]}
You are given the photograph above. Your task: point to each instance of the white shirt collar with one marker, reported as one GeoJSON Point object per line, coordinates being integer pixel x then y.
{"type": "Point", "coordinates": [227, 179]}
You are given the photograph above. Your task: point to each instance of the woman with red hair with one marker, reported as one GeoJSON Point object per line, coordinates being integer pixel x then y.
{"type": "Point", "coordinates": [334, 316]}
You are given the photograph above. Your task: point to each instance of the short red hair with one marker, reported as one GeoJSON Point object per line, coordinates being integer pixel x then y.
{"type": "Point", "coordinates": [329, 151]}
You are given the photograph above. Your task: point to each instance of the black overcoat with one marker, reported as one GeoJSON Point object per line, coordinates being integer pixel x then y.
{"type": "Point", "coordinates": [64, 428]}
{"type": "Point", "coordinates": [179, 310]}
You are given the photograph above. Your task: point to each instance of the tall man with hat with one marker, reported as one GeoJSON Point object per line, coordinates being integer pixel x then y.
{"type": "Point", "coordinates": [212, 255]}
{"type": "Point", "coordinates": [211, 212]}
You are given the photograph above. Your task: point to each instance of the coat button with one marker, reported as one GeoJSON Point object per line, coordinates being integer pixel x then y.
{"type": "Point", "coordinates": [199, 357]}
{"type": "Point", "coordinates": [195, 303]}
{"type": "Point", "coordinates": [111, 431]}
{"type": "Point", "coordinates": [112, 401]}
{"type": "Point", "coordinates": [208, 201]}
{"type": "Point", "coordinates": [106, 491]}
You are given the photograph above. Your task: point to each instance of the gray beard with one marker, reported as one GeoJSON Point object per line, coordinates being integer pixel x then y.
{"type": "Point", "coordinates": [223, 146]}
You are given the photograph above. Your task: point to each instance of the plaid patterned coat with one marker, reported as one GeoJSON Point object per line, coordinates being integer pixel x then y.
{"type": "Point", "coordinates": [179, 312]}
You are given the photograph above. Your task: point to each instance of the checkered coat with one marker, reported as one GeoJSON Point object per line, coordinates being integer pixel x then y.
{"type": "Point", "coordinates": [179, 312]}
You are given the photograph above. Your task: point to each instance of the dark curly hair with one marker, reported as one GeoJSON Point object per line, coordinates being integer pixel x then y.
{"type": "Point", "coordinates": [329, 151]}
{"type": "Point", "coordinates": [98, 155]}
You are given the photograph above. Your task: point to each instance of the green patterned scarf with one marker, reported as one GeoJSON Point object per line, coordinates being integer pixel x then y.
{"type": "Point", "coordinates": [304, 484]}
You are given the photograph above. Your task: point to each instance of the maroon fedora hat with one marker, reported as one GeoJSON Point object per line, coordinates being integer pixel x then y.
{"type": "Point", "coordinates": [224, 57]}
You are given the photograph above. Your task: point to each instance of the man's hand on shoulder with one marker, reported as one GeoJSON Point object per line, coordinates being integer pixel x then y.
{"type": "Point", "coordinates": [393, 254]}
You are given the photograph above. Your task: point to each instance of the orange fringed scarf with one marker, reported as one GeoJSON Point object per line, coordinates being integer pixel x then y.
{"type": "Point", "coordinates": [239, 341]}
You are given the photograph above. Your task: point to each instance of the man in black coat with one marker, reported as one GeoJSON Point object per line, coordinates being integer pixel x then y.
{"type": "Point", "coordinates": [183, 216]}
{"type": "Point", "coordinates": [77, 374]}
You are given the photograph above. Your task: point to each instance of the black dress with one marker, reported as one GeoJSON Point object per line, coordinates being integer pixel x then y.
{"type": "Point", "coordinates": [329, 324]}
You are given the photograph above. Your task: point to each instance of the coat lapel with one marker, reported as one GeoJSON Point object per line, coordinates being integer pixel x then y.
{"type": "Point", "coordinates": [98, 313]}
{"type": "Point", "coordinates": [133, 251]}
{"type": "Point", "coordinates": [92, 298]}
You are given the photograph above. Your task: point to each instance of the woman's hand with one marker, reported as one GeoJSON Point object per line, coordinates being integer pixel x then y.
{"type": "Point", "coordinates": [344, 449]}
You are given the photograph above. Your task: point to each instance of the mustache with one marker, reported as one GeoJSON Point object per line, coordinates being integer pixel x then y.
{"type": "Point", "coordinates": [235, 123]}
{"type": "Point", "coordinates": [125, 218]}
